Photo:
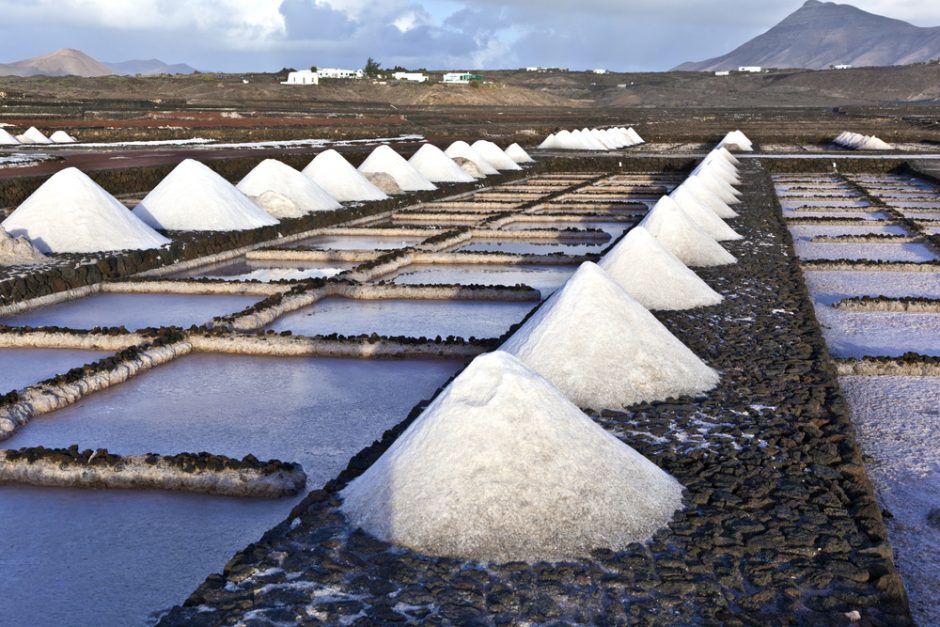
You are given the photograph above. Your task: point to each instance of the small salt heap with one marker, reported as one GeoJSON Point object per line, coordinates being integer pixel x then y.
{"type": "Point", "coordinates": [634, 136]}
{"type": "Point", "coordinates": [194, 198]}
{"type": "Point", "coordinates": [15, 251]}
{"type": "Point", "coordinates": [703, 217]}
{"type": "Point", "coordinates": [340, 179]}
{"type": "Point", "coordinates": [437, 167]}
{"type": "Point", "coordinates": [681, 236]}
{"type": "Point", "coordinates": [655, 277]}
{"type": "Point", "coordinates": [469, 167]}
{"type": "Point", "coordinates": [495, 155]}
{"type": "Point", "coordinates": [6, 139]}
{"type": "Point", "coordinates": [855, 141]}
{"type": "Point", "coordinates": [463, 150]}
{"type": "Point", "coordinates": [698, 190]}
{"type": "Point", "coordinates": [384, 159]}
{"type": "Point", "coordinates": [518, 154]}
{"type": "Point", "coordinates": [61, 137]}
{"type": "Point", "coordinates": [603, 349]}
{"type": "Point", "coordinates": [502, 467]}
{"type": "Point", "coordinates": [70, 213]}
{"type": "Point", "coordinates": [736, 141]}
{"type": "Point", "coordinates": [35, 136]}
{"type": "Point", "coordinates": [385, 182]}
{"type": "Point", "coordinates": [284, 192]}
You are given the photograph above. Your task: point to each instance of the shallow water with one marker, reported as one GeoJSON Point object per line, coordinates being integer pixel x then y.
{"type": "Point", "coordinates": [522, 247]}
{"type": "Point", "coordinates": [546, 279]}
{"type": "Point", "coordinates": [21, 367]}
{"type": "Point", "coordinates": [614, 229]}
{"type": "Point", "coordinates": [89, 557]}
{"type": "Point", "coordinates": [809, 231]}
{"type": "Point", "coordinates": [877, 252]}
{"type": "Point", "coordinates": [411, 318]}
{"type": "Point", "coordinates": [134, 311]}
{"type": "Point", "coordinates": [357, 242]}
{"type": "Point", "coordinates": [861, 334]}
{"type": "Point", "coordinates": [266, 271]}
{"type": "Point", "coordinates": [826, 287]}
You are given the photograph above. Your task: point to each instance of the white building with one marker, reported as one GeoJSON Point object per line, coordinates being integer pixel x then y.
{"type": "Point", "coordinates": [461, 78]}
{"type": "Point", "coordinates": [751, 69]}
{"type": "Point", "coordinates": [332, 72]}
{"type": "Point", "coordinates": [599, 71]}
{"type": "Point", "coordinates": [842, 67]}
{"type": "Point", "coordinates": [533, 69]}
{"type": "Point", "coordinates": [303, 77]}
{"type": "Point", "coordinates": [415, 77]}
{"type": "Point", "coordinates": [723, 73]}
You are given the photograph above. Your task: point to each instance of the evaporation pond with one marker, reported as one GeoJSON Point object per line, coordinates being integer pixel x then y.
{"type": "Point", "coordinates": [614, 229]}
{"type": "Point", "coordinates": [546, 279]}
{"type": "Point", "coordinates": [532, 247]}
{"type": "Point", "coordinates": [96, 557]}
{"type": "Point", "coordinates": [133, 311]}
{"type": "Point", "coordinates": [357, 242]}
{"type": "Point", "coordinates": [20, 367]}
{"type": "Point", "coordinates": [879, 334]}
{"type": "Point", "coordinates": [911, 251]}
{"type": "Point", "coordinates": [828, 286]}
{"type": "Point", "coordinates": [410, 318]}
{"type": "Point", "coordinates": [267, 271]}
{"type": "Point", "coordinates": [809, 231]}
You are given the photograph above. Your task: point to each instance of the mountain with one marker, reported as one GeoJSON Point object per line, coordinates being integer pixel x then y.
{"type": "Point", "coordinates": [70, 62]}
{"type": "Point", "coordinates": [149, 67]}
{"type": "Point", "coordinates": [64, 62]}
{"type": "Point", "coordinates": [821, 34]}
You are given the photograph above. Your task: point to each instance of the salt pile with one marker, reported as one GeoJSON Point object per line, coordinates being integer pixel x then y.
{"type": "Point", "coordinates": [70, 213]}
{"type": "Point", "coordinates": [518, 154]}
{"type": "Point", "coordinates": [592, 139]}
{"type": "Point", "coordinates": [463, 149]}
{"type": "Point", "coordinates": [35, 136]}
{"type": "Point", "coordinates": [284, 192]}
{"type": "Point", "coordinates": [18, 251]}
{"type": "Point", "coordinates": [502, 467]}
{"type": "Point", "coordinates": [469, 167]}
{"type": "Point", "coordinates": [700, 191]}
{"type": "Point", "coordinates": [655, 277]}
{"type": "Point", "coordinates": [855, 141]}
{"type": "Point", "coordinates": [384, 159]}
{"type": "Point", "coordinates": [634, 136]}
{"type": "Point", "coordinates": [340, 179]}
{"type": "Point", "coordinates": [6, 139]}
{"type": "Point", "coordinates": [61, 137]}
{"type": "Point", "coordinates": [194, 198]}
{"type": "Point", "coordinates": [385, 182]}
{"type": "Point", "coordinates": [437, 167]}
{"type": "Point", "coordinates": [495, 155]}
{"type": "Point", "coordinates": [736, 141]}
{"type": "Point", "coordinates": [675, 230]}
{"type": "Point", "coordinates": [705, 219]}
{"type": "Point", "coordinates": [603, 349]}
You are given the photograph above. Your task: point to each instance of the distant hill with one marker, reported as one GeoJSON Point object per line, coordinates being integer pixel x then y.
{"type": "Point", "coordinates": [821, 34]}
{"type": "Point", "coordinates": [149, 67]}
{"type": "Point", "coordinates": [70, 62]}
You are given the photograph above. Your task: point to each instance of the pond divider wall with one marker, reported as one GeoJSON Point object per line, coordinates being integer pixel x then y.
{"type": "Point", "coordinates": [65, 339]}
{"type": "Point", "coordinates": [892, 305]}
{"type": "Point", "coordinates": [909, 365]}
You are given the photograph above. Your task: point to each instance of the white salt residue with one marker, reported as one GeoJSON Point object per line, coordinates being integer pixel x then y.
{"type": "Point", "coordinates": [808, 231]}
{"type": "Point", "coordinates": [437, 167]}
{"type": "Point", "coordinates": [675, 230]}
{"type": "Point", "coordinates": [896, 418]}
{"type": "Point", "coordinates": [495, 155]}
{"type": "Point", "coordinates": [18, 250]}
{"type": "Point", "coordinates": [829, 286]}
{"type": "Point", "coordinates": [911, 251]}
{"type": "Point", "coordinates": [603, 349]}
{"type": "Point", "coordinates": [284, 192]}
{"type": "Point", "coordinates": [194, 198]}
{"type": "Point", "coordinates": [462, 149]}
{"type": "Point", "coordinates": [385, 160]}
{"type": "Point", "coordinates": [266, 275]}
{"type": "Point", "coordinates": [501, 466]}
{"type": "Point", "coordinates": [860, 334]}
{"type": "Point", "coordinates": [340, 179]}
{"type": "Point", "coordinates": [21, 160]}
{"type": "Point", "coordinates": [70, 213]}
{"type": "Point", "coordinates": [655, 277]}
{"type": "Point", "coordinates": [518, 154]}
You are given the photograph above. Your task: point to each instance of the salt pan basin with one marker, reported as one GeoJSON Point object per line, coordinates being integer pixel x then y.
{"type": "Point", "coordinates": [614, 229]}
{"type": "Point", "coordinates": [356, 242]}
{"type": "Point", "coordinates": [546, 279]}
{"type": "Point", "coordinates": [870, 251]}
{"type": "Point", "coordinates": [827, 287]}
{"type": "Point", "coordinates": [522, 247]}
{"type": "Point", "coordinates": [21, 367]}
{"type": "Point", "coordinates": [93, 557]}
{"type": "Point", "coordinates": [267, 271]}
{"type": "Point", "coordinates": [133, 311]}
{"type": "Point", "coordinates": [860, 334]}
{"type": "Point", "coordinates": [410, 318]}
{"type": "Point", "coordinates": [809, 231]}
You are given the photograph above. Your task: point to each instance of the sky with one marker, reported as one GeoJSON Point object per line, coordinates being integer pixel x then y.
{"type": "Point", "coordinates": [266, 35]}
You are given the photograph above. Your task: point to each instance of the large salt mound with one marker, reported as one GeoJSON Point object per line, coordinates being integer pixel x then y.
{"type": "Point", "coordinates": [464, 150]}
{"type": "Point", "coordinates": [6, 139]}
{"type": "Point", "coordinates": [704, 218]}
{"type": "Point", "coordinates": [35, 136]}
{"type": "Point", "coordinates": [284, 192]}
{"type": "Point", "coordinates": [549, 143]}
{"type": "Point", "coordinates": [502, 467]}
{"type": "Point", "coordinates": [469, 167]}
{"type": "Point", "coordinates": [633, 135]}
{"type": "Point", "coordinates": [70, 213]}
{"type": "Point", "coordinates": [518, 154]}
{"type": "Point", "coordinates": [61, 137]}
{"type": "Point", "coordinates": [655, 277]}
{"type": "Point", "coordinates": [18, 251]}
{"type": "Point", "coordinates": [706, 197]}
{"type": "Point", "coordinates": [194, 198]}
{"type": "Point", "coordinates": [719, 187]}
{"type": "Point", "coordinates": [495, 155]}
{"type": "Point", "coordinates": [675, 230]}
{"type": "Point", "coordinates": [603, 349]}
{"type": "Point", "coordinates": [437, 167]}
{"type": "Point", "coordinates": [384, 159]}
{"type": "Point", "coordinates": [340, 179]}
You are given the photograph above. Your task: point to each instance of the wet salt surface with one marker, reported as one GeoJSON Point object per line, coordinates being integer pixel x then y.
{"type": "Point", "coordinates": [21, 367]}
{"type": "Point", "coordinates": [827, 287]}
{"type": "Point", "coordinates": [896, 421]}
{"type": "Point", "coordinates": [134, 311]}
{"type": "Point", "coordinates": [246, 270]}
{"type": "Point", "coordinates": [789, 205]}
{"type": "Point", "coordinates": [532, 248]}
{"type": "Point", "coordinates": [861, 215]}
{"type": "Point", "coordinates": [411, 318]}
{"type": "Point", "coordinates": [921, 215]}
{"type": "Point", "coordinates": [356, 242]}
{"type": "Point", "coordinates": [876, 252]}
{"type": "Point", "coordinates": [546, 279]}
{"type": "Point", "coordinates": [614, 229]}
{"type": "Point", "coordinates": [888, 334]}
{"type": "Point", "coordinates": [90, 557]}
{"type": "Point", "coordinates": [809, 231]}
